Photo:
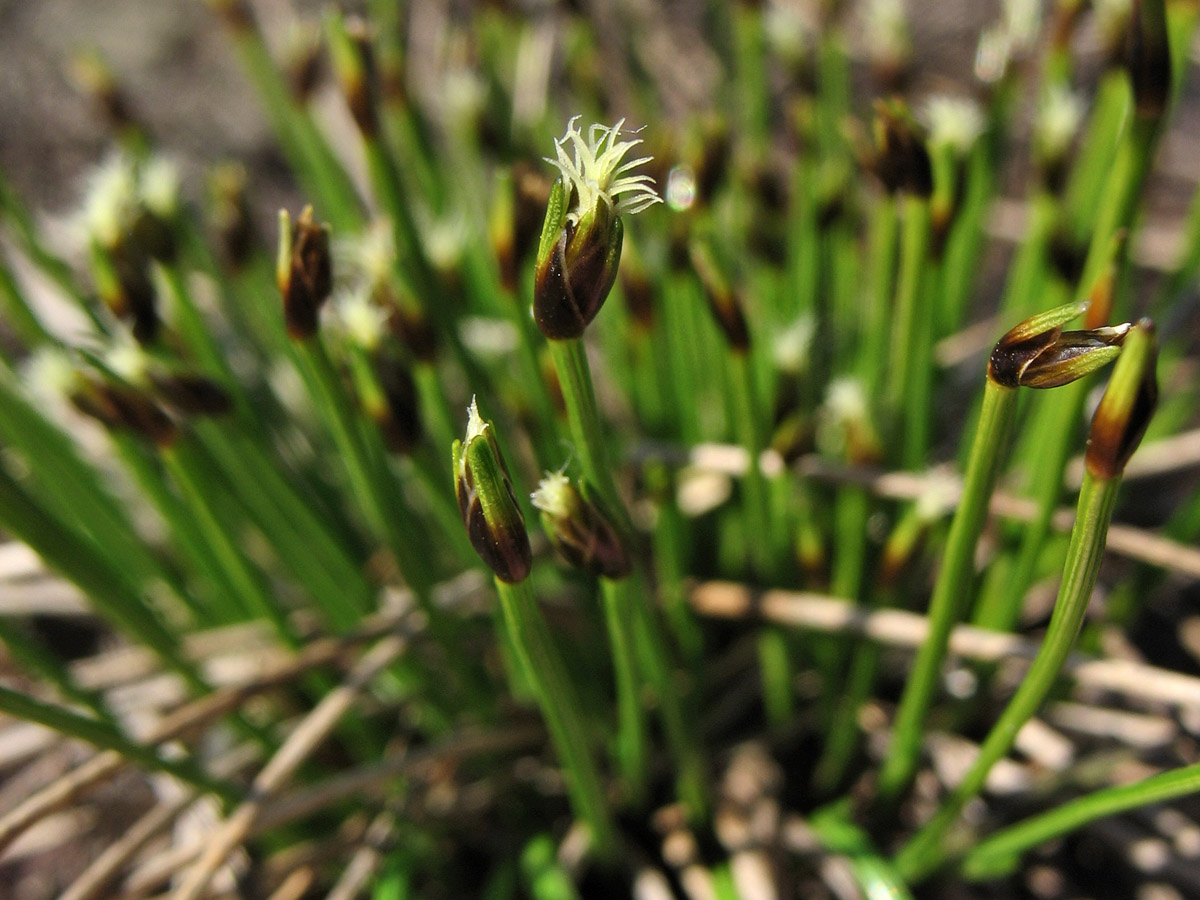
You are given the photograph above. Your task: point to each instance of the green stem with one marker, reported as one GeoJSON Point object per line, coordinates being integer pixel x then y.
{"type": "Point", "coordinates": [619, 603]}
{"type": "Point", "coordinates": [763, 540]}
{"type": "Point", "coordinates": [997, 854]}
{"type": "Point", "coordinates": [85, 563]}
{"type": "Point", "coordinates": [927, 849]}
{"type": "Point", "coordinates": [951, 593]}
{"type": "Point", "coordinates": [583, 417]}
{"type": "Point", "coordinates": [105, 737]}
{"type": "Point", "coordinates": [302, 143]}
{"type": "Point", "coordinates": [543, 665]}
{"type": "Point", "coordinates": [195, 486]}
{"type": "Point", "coordinates": [909, 312]}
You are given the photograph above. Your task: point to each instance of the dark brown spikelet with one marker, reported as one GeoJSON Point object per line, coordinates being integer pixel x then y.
{"type": "Point", "coordinates": [489, 509]}
{"type": "Point", "coordinates": [1148, 58]}
{"type": "Point", "coordinates": [306, 277]}
{"type": "Point", "coordinates": [410, 324]}
{"type": "Point", "coordinates": [574, 279]}
{"type": "Point", "coordinates": [354, 67]}
{"type": "Point", "coordinates": [124, 408]}
{"type": "Point", "coordinates": [235, 14]}
{"type": "Point", "coordinates": [95, 78]}
{"type": "Point", "coordinates": [1125, 409]}
{"type": "Point", "coordinates": [134, 299]}
{"type": "Point", "coordinates": [579, 530]}
{"type": "Point", "coordinates": [229, 214]}
{"type": "Point", "coordinates": [902, 159]}
{"type": "Point", "coordinates": [723, 300]}
{"type": "Point", "coordinates": [1037, 353]}
{"type": "Point", "coordinates": [191, 394]}
{"type": "Point", "coordinates": [401, 425]}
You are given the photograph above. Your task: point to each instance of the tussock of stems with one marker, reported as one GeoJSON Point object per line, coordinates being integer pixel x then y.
{"type": "Point", "coordinates": [836, 459]}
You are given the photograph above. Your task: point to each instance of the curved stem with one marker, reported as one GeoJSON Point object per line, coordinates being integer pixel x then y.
{"type": "Point", "coordinates": [1096, 498]}
{"type": "Point", "coordinates": [999, 852]}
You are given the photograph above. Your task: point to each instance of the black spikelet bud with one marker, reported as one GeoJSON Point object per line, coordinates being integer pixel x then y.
{"type": "Point", "coordinates": [123, 407]}
{"type": "Point", "coordinates": [401, 423]}
{"type": "Point", "coordinates": [723, 300]}
{"type": "Point", "coordinates": [190, 394]}
{"type": "Point", "coordinates": [902, 159]}
{"type": "Point", "coordinates": [579, 530]}
{"type": "Point", "coordinates": [354, 68]}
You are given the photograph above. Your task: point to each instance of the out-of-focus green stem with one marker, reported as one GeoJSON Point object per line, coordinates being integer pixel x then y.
{"type": "Point", "coordinates": [999, 853]}
{"type": "Point", "coordinates": [619, 603]}
{"type": "Point", "coordinates": [105, 737]}
{"type": "Point", "coordinates": [583, 418]}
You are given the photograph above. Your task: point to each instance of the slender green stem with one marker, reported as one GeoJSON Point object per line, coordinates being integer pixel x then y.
{"type": "Point", "coordinates": [996, 855]}
{"type": "Point", "coordinates": [560, 707]}
{"type": "Point", "coordinates": [583, 417]}
{"type": "Point", "coordinates": [1097, 496]}
{"type": "Point", "coordinates": [18, 313]}
{"type": "Point", "coordinates": [692, 780]}
{"type": "Point", "coordinates": [35, 658]}
{"type": "Point", "coordinates": [619, 602]}
{"type": "Point", "coordinates": [763, 540]}
{"type": "Point", "coordinates": [575, 378]}
{"type": "Point", "coordinates": [106, 737]}
{"type": "Point", "coordinates": [951, 593]}
{"type": "Point", "coordinates": [911, 315]}
{"type": "Point", "coordinates": [86, 564]}
{"type": "Point", "coordinates": [882, 261]}
{"type": "Point", "coordinates": [196, 485]}
{"type": "Point", "coordinates": [876, 877]}
{"type": "Point", "coordinates": [301, 141]}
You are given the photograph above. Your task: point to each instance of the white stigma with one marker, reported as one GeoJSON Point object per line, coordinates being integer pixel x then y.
{"type": "Point", "coordinates": [475, 424]}
{"type": "Point", "coordinates": [596, 172]}
{"type": "Point", "coordinates": [553, 493]}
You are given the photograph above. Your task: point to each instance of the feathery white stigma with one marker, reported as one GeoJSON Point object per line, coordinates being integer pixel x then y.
{"type": "Point", "coordinates": [553, 494]}
{"type": "Point", "coordinates": [596, 172]}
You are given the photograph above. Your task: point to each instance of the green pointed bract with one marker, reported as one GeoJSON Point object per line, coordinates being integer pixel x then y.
{"type": "Point", "coordinates": [1125, 409]}
{"type": "Point", "coordinates": [495, 525]}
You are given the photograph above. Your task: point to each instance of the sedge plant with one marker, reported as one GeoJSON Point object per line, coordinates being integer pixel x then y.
{"type": "Point", "coordinates": [739, 345]}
